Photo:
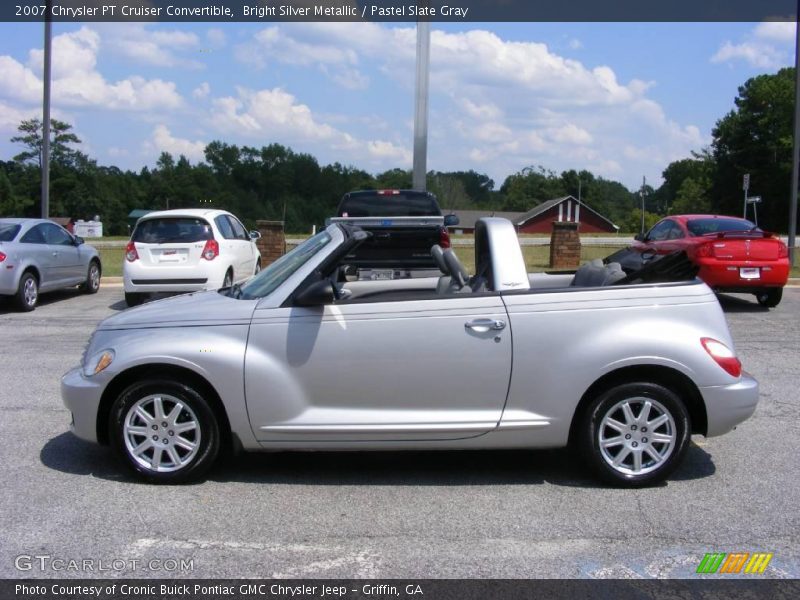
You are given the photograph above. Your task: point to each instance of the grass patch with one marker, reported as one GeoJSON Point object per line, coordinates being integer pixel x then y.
{"type": "Point", "coordinates": [111, 259]}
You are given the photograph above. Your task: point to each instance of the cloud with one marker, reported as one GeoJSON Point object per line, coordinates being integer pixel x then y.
{"type": "Point", "coordinates": [497, 105]}
{"type": "Point", "coordinates": [12, 116]}
{"type": "Point", "coordinates": [202, 91]}
{"type": "Point", "coordinates": [768, 46]}
{"type": "Point", "coordinates": [162, 140]}
{"type": "Point", "coordinates": [145, 45]}
{"type": "Point", "coordinates": [277, 115]}
{"type": "Point", "coordinates": [776, 31]}
{"type": "Point", "coordinates": [76, 81]}
{"type": "Point", "coordinates": [216, 37]}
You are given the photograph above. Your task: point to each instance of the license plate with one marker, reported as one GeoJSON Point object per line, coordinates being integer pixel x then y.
{"type": "Point", "coordinates": [380, 275]}
{"type": "Point", "coordinates": [750, 273]}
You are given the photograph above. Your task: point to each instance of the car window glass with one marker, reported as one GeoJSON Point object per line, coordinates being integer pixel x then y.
{"type": "Point", "coordinates": [718, 225]}
{"type": "Point", "coordinates": [675, 232]}
{"type": "Point", "coordinates": [8, 231]}
{"type": "Point", "coordinates": [660, 232]}
{"type": "Point", "coordinates": [275, 274]}
{"type": "Point", "coordinates": [388, 204]}
{"type": "Point", "coordinates": [168, 230]}
{"type": "Point", "coordinates": [34, 235]}
{"type": "Point", "coordinates": [238, 229]}
{"type": "Point", "coordinates": [57, 236]}
{"type": "Point", "coordinates": [224, 227]}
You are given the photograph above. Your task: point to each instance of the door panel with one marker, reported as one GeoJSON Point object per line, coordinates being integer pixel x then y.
{"type": "Point", "coordinates": [406, 370]}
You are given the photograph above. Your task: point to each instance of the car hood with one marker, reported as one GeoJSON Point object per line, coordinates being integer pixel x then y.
{"type": "Point", "coordinates": [197, 309]}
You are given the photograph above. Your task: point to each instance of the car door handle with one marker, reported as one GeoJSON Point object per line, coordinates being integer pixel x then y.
{"type": "Point", "coordinates": [55, 253]}
{"type": "Point", "coordinates": [484, 325]}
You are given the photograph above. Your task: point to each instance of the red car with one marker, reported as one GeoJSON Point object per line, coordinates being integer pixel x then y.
{"type": "Point", "coordinates": [733, 254]}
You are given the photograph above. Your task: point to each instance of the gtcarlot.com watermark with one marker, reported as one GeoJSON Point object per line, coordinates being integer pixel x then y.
{"type": "Point", "coordinates": [46, 563]}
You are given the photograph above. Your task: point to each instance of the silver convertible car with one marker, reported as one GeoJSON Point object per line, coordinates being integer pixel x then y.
{"type": "Point", "coordinates": [301, 358]}
{"type": "Point", "coordinates": [37, 255]}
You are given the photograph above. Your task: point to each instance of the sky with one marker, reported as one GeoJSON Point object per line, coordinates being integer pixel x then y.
{"type": "Point", "coordinates": [621, 100]}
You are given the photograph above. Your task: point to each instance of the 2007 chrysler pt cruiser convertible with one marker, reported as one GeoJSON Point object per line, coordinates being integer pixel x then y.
{"type": "Point", "coordinates": [302, 358]}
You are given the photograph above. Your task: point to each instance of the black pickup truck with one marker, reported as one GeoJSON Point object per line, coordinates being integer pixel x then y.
{"type": "Point", "coordinates": [404, 225]}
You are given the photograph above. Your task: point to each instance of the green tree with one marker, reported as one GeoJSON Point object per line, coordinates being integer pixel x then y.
{"type": "Point", "coordinates": [692, 197]}
{"type": "Point", "coordinates": [33, 139]}
{"type": "Point", "coordinates": [756, 138]}
{"type": "Point", "coordinates": [530, 187]}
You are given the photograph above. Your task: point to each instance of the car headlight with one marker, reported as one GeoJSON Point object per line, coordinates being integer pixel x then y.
{"type": "Point", "coordinates": [98, 362]}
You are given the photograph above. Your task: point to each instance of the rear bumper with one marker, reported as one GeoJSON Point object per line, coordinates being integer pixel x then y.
{"type": "Point", "coordinates": [139, 278]}
{"type": "Point", "coordinates": [725, 275]}
{"type": "Point", "coordinates": [9, 282]}
{"type": "Point", "coordinates": [729, 405]}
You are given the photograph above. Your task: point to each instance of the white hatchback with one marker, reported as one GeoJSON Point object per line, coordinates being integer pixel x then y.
{"type": "Point", "coordinates": [187, 250]}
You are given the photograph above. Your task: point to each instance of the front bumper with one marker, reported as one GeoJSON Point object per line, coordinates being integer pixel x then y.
{"type": "Point", "coordinates": [81, 395]}
{"type": "Point", "coordinates": [729, 405]}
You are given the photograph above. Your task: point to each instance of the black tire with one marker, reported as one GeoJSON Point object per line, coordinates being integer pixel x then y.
{"type": "Point", "coordinates": [770, 297]}
{"type": "Point", "coordinates": [633, 439]}
{"type": "Point", "coordinates": [228, 280]}
{"type": "Point", "coordinates": [205, 436]}
{"type": "Point", "coordinates": [27, 296]}
{"type": "Point", "coordinates": [134, 298]}
{"type": "Point", "coordinates": [92, 283]}
{"type": "Point", "coordinates": [258, 268]}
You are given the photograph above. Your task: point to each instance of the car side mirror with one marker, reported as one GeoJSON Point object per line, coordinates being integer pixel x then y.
{"type": "Point", "coordinates": [640, 237]}
{"type": "Point", "coordinates": [78, 240]}
{"type": "Point", "coordinates": [255, 235]}
{"type": "Point", "coordinates": [450, 220]}
{"type": "Point", "coordinates": [318, 293]}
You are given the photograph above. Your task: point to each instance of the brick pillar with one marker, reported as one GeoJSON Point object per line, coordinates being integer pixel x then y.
{"type": "Point", "coordinates": [565, 245]}
{"type": "Point", "coordinates": [272, 244]}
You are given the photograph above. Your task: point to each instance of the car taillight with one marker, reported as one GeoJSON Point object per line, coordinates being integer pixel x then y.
{"type": "Point", "coordinates": [722, 355]}
{"type": "Point", "coordinates": [130, 252]}
{"type": "Point", "coordinates": [704, 250]}
{"type": "Point", "coordinates": [388, 192]}
{"type": "Point", "coordinates": [444, 238]}
{"type": "Point", "coordinates": [783, 251]}
{"type": "Point", "coordinates": [211, 250]}
{"type": "Point", "coordinates": [2, 257]}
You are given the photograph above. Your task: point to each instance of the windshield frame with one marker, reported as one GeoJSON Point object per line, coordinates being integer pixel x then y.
{"type": "Point", "coordinates": [276, 297]}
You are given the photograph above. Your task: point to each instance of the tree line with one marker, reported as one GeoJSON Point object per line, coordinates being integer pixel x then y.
{"type": "Point", "coordinates": [275, 182]}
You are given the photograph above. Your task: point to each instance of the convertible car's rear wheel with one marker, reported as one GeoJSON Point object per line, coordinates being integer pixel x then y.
{"type": "Point", "coordinates": [165, 431]}
{"type": "Point", "coordinates": [635, 434]}
{"type": "Point", "coordinates": [770, 297]}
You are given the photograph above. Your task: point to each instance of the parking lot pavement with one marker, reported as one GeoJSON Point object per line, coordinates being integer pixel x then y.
{"type": "Point", "coordinates": [448, 514]}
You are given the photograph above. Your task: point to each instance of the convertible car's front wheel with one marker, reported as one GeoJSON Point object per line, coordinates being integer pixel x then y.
{"type": "Point", "coordinates": [165, 431]}
{"type": "Point", "coordinates": [635, 434]}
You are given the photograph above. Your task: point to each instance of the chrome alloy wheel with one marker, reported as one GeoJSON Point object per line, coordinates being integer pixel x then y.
{"type": "Point", "coordinates": [161, 433]}
{"type": "Point", "coordinates": [637, 436]}
{"type": "Point", "coordinates": [30, 291]}
{"type": "Point", "coordinates": [94, 277]}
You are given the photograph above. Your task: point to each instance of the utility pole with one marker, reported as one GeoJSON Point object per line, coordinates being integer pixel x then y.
{"type": "Point", "coordinates": [796, 149]}
{"type": "Point", "coordinates": [746, 188]}
{"type": "Point", "coordinates": [48, 34]}
{"type": "Point", "coordinates": [420, 171]}
{"type": "Point", "coordinates": [641, 193]}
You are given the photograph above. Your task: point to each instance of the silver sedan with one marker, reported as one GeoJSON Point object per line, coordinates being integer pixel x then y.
{"type": "Point", "coordinates": [37, 255]}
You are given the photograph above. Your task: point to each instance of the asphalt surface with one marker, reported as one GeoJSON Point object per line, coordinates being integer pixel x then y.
{"type": "Point", "coordinates": [450, 514]}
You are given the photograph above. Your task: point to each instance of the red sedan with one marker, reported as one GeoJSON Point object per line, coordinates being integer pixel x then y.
{"type": "Point", "coordinates": [732, 253]}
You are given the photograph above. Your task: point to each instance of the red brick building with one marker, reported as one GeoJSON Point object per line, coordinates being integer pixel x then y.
{"type": "Point", "coordinates": [569, 209]}
{"type": "Point", "coordinates": [540, 218]}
